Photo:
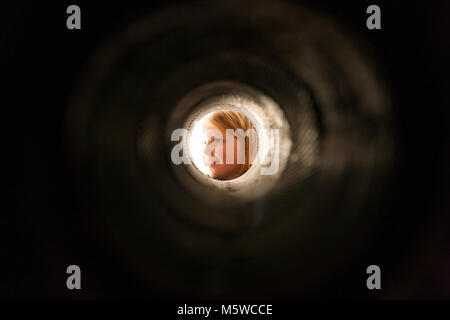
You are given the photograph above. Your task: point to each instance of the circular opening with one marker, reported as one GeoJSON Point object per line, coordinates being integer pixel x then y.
{"type": "Point", "coordinates": [223, 144]}
{"type": "Point", "coordinates": [270, 135]}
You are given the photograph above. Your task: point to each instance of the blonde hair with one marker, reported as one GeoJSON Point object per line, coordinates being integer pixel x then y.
{"type": "Point", "coordinates": [227, 119]}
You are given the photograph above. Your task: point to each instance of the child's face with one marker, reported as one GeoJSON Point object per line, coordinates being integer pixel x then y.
{"type": "Point", "coordinates": [215, 152]}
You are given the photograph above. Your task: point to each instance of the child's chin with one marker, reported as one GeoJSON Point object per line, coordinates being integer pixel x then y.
{"type": "Point", "coordinates": [212, 173]}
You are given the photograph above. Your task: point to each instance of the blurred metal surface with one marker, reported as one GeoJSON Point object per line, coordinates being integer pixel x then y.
{"type": "Point", "coordinates": [326, 205]}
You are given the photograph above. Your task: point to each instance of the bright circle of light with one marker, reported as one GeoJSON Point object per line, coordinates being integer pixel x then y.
{"type": "Point", "coordinates": [196, 146]}
{"type": "Point", "coordinates": [266, 117]}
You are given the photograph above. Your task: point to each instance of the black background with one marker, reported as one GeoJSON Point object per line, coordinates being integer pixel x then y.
{"type": "Point", "coordinates": [41, 62]}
